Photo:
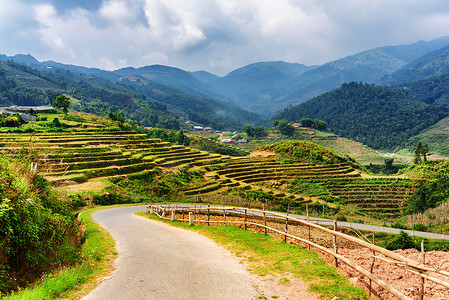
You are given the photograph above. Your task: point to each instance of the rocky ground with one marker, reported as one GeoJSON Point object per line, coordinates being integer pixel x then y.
{"type": "Point", "coordinates": [402, 280]}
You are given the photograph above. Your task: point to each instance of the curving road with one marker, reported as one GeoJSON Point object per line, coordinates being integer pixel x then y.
{"type": "Point", "coordinates": [326, 222]}
{"type": "Point", "coordinates": [157, 261]}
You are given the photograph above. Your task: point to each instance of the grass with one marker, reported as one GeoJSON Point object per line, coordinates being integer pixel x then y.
{"type": "Point", "coordinates": [98, 252]}
{"type": "Point", "coordinates": [267, 255]}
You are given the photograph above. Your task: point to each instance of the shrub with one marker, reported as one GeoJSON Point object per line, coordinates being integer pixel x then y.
{"type": "Point", "coordinates": [419, 227]}
{"type": "Point", "coordinates": [401, 241]}
{"type": "Point", "coordinates": [38, 231]}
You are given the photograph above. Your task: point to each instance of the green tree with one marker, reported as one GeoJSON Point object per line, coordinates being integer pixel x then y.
{"type": "Point", "coordinates": [249, 130]}
{"type": "Point", "coordinates": [421, 153]}
{"type": "Point", "coordinates": [401, 241]}
{"type": "Point", "coordinates": [284, 127]}
{"type": "Point", "coordinates": [62, 102]}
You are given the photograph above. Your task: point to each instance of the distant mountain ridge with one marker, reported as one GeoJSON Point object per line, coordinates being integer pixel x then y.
{"type": "Point", "coordinates": [379, 117]}
{"type": "Point", "coordinates": [150, 104]}
{"type": "Point", "coordinates": [432, 64]}
{"type": "Point", "coordinates": [267, 87]}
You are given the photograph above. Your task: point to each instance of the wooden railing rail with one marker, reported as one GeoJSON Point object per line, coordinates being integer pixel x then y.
{"type": "Point", "coordinates": [407, 264]}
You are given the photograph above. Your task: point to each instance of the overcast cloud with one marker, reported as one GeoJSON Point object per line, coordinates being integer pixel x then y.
{"type": "Point", "coordinates": [213, 35]}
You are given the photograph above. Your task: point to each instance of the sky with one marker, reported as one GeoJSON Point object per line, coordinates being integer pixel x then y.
{"type": "Point", "coordinates": [217, 36]}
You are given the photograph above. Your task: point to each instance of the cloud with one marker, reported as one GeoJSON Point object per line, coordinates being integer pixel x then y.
{"type": "Point", "coordinates": [214, 35]}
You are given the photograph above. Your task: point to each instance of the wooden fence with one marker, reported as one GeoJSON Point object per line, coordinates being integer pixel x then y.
{"type": "Point", "coordinates": [166, 211]}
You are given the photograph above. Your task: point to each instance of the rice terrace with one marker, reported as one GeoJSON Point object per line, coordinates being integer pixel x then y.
{"type": "Point", "coordinates": [97, 161]}
{"type": "Point", "coordinates": [224, 150]}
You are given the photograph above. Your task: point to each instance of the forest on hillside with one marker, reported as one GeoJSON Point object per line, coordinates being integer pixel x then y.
{"type": "Point", "coordinates": [379, 117]}
{"type": "Point", "coordinates": [152, 105]}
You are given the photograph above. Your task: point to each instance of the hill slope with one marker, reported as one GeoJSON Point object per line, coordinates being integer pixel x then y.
{"type": "Point", "coordinates": [429, 65]}
{"type": "Point", "coordinates": [269, 87]}
{"type": "Point", "coordinates": [143, 102]}
{"type": "Point", "coordinates": [379, 117]}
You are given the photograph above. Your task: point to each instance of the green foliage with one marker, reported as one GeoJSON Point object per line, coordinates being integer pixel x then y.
{"type": "Point", "coordinates": [429, 194]}
{"type": "Point", "coordinates": [401, 241]}
{"type": "Point", "coordinates": [284, 127]}
{"type": "Point", "coordinates": [38, 233]}
{"type": "Point", "coordinates": [116, 117]}
{"type": "Point", "coordinates": [379, 117]}
{"type": "Point", "coordinates": [62, 102]}
{"type": "Point", "coordinates": [291, 151]}
{"type": "Point", "coordinates": [314, 123]}
{"type": "Point", "coordinates": [255, 132]}
{"type": "Point", "coordinates": [11, 120]}
{"type": "Point", "coordinates": [421, 152]}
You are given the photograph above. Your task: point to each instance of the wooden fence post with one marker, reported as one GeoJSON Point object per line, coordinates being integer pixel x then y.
{"type": "Point", "coordinates": [246, 213]}
{"type": "Point", "coordinates": [423, 261]}
{"type": "Point", "coordinates": [308, 221]}
{"type": "Point", "coordinates": [224, 215]}
{"type": "Point", "coordinates": [286, 227]}
{"type": "Point", "coordinates": [191, 219]}
{"type": "Point", "coordinates": [372, 263]}
{"type": "Point", "coordinates": [172, 216]}
{"type": "Point", "coordinates": [264, 219]}
{"type": "Point", "coordinates": [286, 224]}
{"type": "Point", "coordinates": [335, 243]}
{"type": "Point", "coordinates": [208, 215]}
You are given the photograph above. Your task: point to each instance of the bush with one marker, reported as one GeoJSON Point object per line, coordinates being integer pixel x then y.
{"type": "Point", "coordinates": [401, 241]}
{"type": "Point", "coordinates": [419, 227]}
{"type": "Point", "coordinates": [38, 231]}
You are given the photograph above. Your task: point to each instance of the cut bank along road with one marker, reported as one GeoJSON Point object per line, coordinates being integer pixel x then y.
{"type": "Point", "coordinates": [158, 261]}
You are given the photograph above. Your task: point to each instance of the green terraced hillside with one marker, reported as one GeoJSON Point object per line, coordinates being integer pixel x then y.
{"type": "Point", "coordinates": [91, 158]}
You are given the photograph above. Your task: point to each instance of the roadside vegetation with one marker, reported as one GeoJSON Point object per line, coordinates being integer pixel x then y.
{"type": "Point", "coordinates": [70, 282]}
{"type": "Point", "coordinates": [38, 232]}
{"type": "Point", "coordinates": [74, 152]}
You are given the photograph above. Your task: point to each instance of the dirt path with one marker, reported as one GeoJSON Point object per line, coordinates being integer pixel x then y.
{"type": "Point", "coordinates": [157, 261]}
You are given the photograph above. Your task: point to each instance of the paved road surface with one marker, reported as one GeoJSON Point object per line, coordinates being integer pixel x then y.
{"type": "Point", "coordinates": [157, 261]}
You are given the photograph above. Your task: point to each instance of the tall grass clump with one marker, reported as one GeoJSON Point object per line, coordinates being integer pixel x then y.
{"type": "Point", "coordinates": [38, 232]}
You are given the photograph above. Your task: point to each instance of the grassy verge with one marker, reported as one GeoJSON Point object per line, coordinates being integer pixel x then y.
{"type": "Point", "coordinates": [98, 252]}
{"type": "Point", "coordinates": [267, 255]}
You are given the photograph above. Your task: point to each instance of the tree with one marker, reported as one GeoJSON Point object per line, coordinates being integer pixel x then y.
{"type": "Point", "coordinates": [421, 152]}
{"type": "Point", "coordinates": [62, 102]}
{"type": "Point", "coordinates": [249, 130]}
{"type": "Point", "coordinates": [256, 132]}
{"type": "Point", "coordinates": [284, 127]}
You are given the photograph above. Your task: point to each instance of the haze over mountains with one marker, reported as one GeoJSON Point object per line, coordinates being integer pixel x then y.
{"type": "Point", "coordinates": [267, 87]}
{"type": "Point", "coordinates": [255, 92]}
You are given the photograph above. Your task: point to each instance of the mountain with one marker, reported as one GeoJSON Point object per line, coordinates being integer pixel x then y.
{"type": "Point", "coordinates": [144, 102]}
{"type": "Point", "coordinates": [432, 64]}
{"type": "Point", "coordinates": [379, 117]}
{"type": "Point", "coordinates": [23, 85]}
{"type": "Point", "coordinates": [271, 86]}
{"type": "Point", "coordinates": [369, 66]}
{"type": "Point", "coordinates": [267, 87]}
{"type": "Point", "coordinates": [251, 86]}
{"type": "Point", "coordinates": [434, 90]}
{"type": "Point", "coordinates": [171, 77]}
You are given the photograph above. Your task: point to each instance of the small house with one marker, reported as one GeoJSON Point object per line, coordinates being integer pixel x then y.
{"type": "Point", "coordinates": [227, 141]}
{"type": "Point", "coordinates": [198, 128]}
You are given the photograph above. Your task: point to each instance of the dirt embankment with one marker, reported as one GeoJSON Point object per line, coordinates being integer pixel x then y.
{"type": "Point", "coordinates": [402, 280]}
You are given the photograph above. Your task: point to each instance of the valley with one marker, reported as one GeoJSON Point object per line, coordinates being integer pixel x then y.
{"type": "Point", "coordinates": [361, 139]}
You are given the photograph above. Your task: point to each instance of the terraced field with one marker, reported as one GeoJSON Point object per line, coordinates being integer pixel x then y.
{"type": "Point", "coordinates": [70, 158]}
{"type": "Point", "coordinates": [75, 157]}
{"type": "Point", "coordinates": [378, 197]}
